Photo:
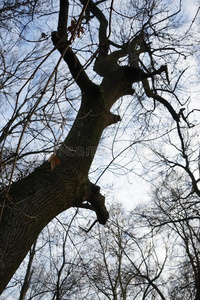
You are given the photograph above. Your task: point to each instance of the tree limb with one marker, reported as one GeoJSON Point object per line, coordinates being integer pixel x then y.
{"type": "Point", "coordinates": [76, 69]}
{"type": "Point", "coordinates": [63, 17]}
{"type": "Point", "coordinates": [160, 99]}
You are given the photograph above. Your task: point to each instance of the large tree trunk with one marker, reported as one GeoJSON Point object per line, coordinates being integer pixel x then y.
{"type": "Point", "coordinates": [45, 193]}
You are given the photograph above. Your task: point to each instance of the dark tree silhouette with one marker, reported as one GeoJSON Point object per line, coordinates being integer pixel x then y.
{"type": "Point", "coordinates": [31, 202]}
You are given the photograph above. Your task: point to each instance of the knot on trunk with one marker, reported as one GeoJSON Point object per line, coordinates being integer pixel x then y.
{"type": "Point", "coordinates": [97, 202]}
{"type": "Point", "coordinates": [112, 119]}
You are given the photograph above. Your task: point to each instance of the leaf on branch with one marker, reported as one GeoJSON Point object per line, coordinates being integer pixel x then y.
{"type": "Point", "coordinates": [72, 28]}
{"type": "Point", "coordinates": [54, 160]}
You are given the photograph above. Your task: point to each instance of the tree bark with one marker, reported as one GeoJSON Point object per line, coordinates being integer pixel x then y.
{"type": "Point", "coordinates": [35, 200]}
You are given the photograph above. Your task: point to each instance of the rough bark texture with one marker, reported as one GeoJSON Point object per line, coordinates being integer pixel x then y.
{"type": "Point", "coordinates": [44, 194]}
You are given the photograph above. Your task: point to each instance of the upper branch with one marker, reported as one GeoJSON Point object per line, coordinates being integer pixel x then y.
{"type": "Point", "coordinates": [160, 99]}
{"type": "Point", "coordinates": [103, 24]}
{"type": "Point", "coordinates": [76, 69]}
{"type": "Point", "coordinates": [103, 64]}
{"type": "Point", "coordinates": [61, 42]}
{"type": "Point", "coordinates": [63, 16]}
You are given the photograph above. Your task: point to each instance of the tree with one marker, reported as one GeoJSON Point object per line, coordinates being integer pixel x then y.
{"type": "Point", "coordinates": [126, 263]}
{"type": "Point", "coordinates": [132, 49]}
{"type": "Point", "coordinates": [54, 268]}
{"type": "Point", "coordinates": [175, 213]}
{"type": "Point", "coordinates": [114, 262]}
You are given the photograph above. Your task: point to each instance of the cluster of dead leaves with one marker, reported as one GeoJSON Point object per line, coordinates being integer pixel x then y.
{"type": "Point", "coordinates": [72, 28]}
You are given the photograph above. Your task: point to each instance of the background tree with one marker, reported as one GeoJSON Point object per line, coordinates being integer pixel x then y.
{"type": "Point", "coordinates": [126, 264]}
{"type": "Point", "coordinates": [175, 212]}
{"type": "Point", "coordinates": [114, 262]}
{"type": "Point", "coordinates": [107, 47]}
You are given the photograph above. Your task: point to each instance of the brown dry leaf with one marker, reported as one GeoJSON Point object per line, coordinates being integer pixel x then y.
{"type": "Point", "coordinates": [71, 28]}
{"type": "Point", "coordinates": [54, 160]}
